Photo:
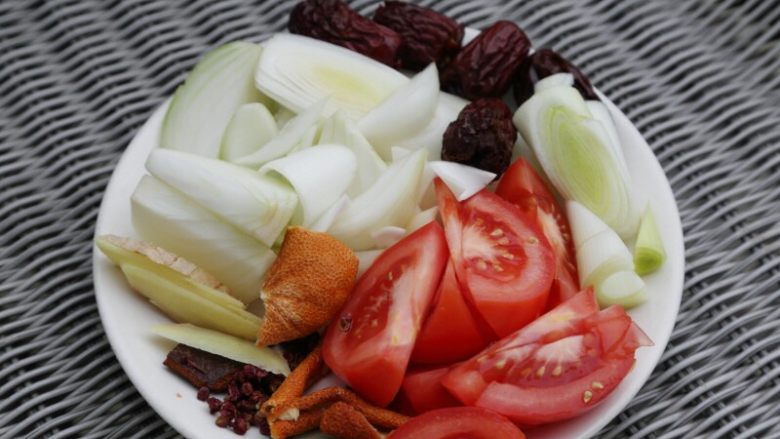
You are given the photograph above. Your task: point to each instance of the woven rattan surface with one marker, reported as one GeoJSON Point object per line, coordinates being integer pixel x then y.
{"type": "Point", "coordinates": [700, 78]}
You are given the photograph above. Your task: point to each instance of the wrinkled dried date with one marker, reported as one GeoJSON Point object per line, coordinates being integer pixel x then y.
{"type": "Point", "coordinates": [482, 136]}
{"type": "Point", "coordinates": [542, 64]}
{"type": "Point", "coordinates": [428, 36]}
{"type": "Point", "coordinates": [202, 368]}
{"type": "Point", "coordinates": [335, 22]}
{"type": "Point", "coordinates": [485, 67]}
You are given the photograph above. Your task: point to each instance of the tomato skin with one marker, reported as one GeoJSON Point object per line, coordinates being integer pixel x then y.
{"type": "Point", "coordinates": [558, 367]}
{"type": "Point", "coordinates": [422, 390]}
{"type": "Point", "coordinates": [460, 423]}
{"type": "Point", "coordinates": [522, 186]}
{"type": "Point", "coordinates": [370, 341]}
{"type": "Point", "coordinates": [501, 258]}
{"type": "Point", "coordinates": [450, 333]}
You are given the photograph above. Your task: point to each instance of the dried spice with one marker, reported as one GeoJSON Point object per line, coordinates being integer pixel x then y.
{"type": "Point", "coordinates": [335, 22]}
{"type": "Point", "coordinates": [544, 63]}
{"type": "Point", "coordinates": [482, 136]}
{"type": "Point", "coordinates": [486, 66]}
{"type": "Point", "coordinates": [428, 36]}
{"type": "Point", "coordinates": [202, 368]}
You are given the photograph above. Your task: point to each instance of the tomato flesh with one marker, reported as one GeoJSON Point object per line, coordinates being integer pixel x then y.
{"type": "Point", "coordinates": [422, 391]}
{"type": "Point", "coordinates": [522, 186]}
{"type": "Point", "coordinates": [369, 343]}
{"type": "Point", "coordinates": [458, 423]}
{"type": "Point", "coordinates": [450, 333]}
{"type": "Point", "coordinates": [502, 259]}
{"type": "Point", "coordinates": [556, 368]}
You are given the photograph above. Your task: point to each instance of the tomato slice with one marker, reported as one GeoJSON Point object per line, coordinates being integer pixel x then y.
{"type": "Point", "coordinates": [558, 367]}
{"type": "Point", "coordinates": [522, 186]}
{"type": "Point", "coordinates": [422, 391]}
{"type": "Point", "coordinates": [450, 333]}
{"type": "Point", "coordinates": [370, 342]}
{"type": "Point", "coordinates": [460, 423]}
{"type": "Point", "coordinates": [501, 258]}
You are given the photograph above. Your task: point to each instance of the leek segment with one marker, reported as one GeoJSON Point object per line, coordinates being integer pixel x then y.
{"type": "Point", "coordinates": [201, 108]}
{"type": "Point", "coordinates": [603, 260]}
{"type": "Point", "coordinates": [578, 154]}
{"type": "Point", "coordinates": [165, 217]}
{"type": "Point", "coordinates": [298, 71]}
{"type": "Point", "coordinates": [390, 201]}
{"type": "Point", "coordinates": [649, 253]}
{"type": "Point", "coordinates": [258, 205]}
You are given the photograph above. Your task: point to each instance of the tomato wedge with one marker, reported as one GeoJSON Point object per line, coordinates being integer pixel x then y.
{"type": "Point", "coordinates": [501, 258]}
{"type": "Point", "coordinates": [369, 343]}
{"type": "Point", "coordinates": [522, 186]}
{"type": "Point", "coordinates": [451, 332]}
{"type": "Point", "coordinates": [558, 367]}
{"type": "Point", "coordinates": [460, 423]}
{"type": "Point", "coordinates": [422, 391]}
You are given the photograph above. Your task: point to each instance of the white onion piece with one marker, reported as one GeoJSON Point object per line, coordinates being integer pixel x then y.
{"type": "Point", "coordinates": [165, 217]}
{"type": "Point", "coordinates": [389, 202]}
{"type": "Point", "coordinates": [387, 236]}
{"type": "Point", "coordinates": [422, 218]}
{"type": "Point", "coordinates": [319, 175]}
{"type": "Point", "coordinates": [340, 130]}
{"type": "Point", "coordinates": [326, 220]}
{"type": "Point", "coordinates": [201, 108]}
{"type": "Point", "coordinates": [578, 157]}
{"type": "Point", "coordinates": [258, 205]}
{"type": "Point", "coordinates": [408, 110]}
{"type": "Point", "coordinates": [282, 116]}
{"type": "Point", "coordinates": [464, 181]}
{"type": "Point", "coordinates": [251, 127]}
{"type": "Point", "coordinates": [298, 71]}
{"type": "Point", "coordinates": [398, 153]}
{"type": "Point", "coordinates": [366, 258]}
{"type": "Point", "coordinates": [556, 80]}
{"type": "Point", "coordinates": [430, 137]}
{"type": "Point", "coordinates": [293, 135]}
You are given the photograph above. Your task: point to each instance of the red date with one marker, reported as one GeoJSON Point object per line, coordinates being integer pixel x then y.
{"type": "Point", "coordinates": [482, 136]}
{"type": "Point", "coordinates": [428, 36]}
{"type": "Point", "coordinates": [542, 64]}
{"type": "Point", "coordinates": [335, 22]}
{"type": "Point", "coordinates": [485, 67]}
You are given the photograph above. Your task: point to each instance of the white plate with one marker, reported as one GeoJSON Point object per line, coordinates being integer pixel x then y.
{"type": "Point", "coordinates": [127, 316]}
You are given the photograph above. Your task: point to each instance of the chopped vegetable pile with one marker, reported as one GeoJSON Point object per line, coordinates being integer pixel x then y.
{"type": "Point", "coordinates": [467, 262]}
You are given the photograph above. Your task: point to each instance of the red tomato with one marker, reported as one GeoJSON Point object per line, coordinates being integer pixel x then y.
{"type": "Point", "coordinates": [522, 186]}
{"type": "Point", "coordinates": [554, 369]}
{"type": "Point", "coordinates": [460, 423]}
{"type": "Point", "coordinates": [422, 391]}
{"type": "Point", "coordinates": [451, 332]}
{"type": "Point", "coordinates": [501, 258]}
{"type": "Point", "coordinates": [369, 344]}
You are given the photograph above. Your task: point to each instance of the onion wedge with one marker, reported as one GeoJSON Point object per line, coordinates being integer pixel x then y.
{"type": "Point", "coordinates": [251, 127]}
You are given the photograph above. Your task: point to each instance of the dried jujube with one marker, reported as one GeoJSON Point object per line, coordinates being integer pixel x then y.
{"type": "Point", "coordinates": [485, 67]}
{"type": "Point", "coordinates": [544, 63]}
{"type": "Point", "coordinates": [428, 36]}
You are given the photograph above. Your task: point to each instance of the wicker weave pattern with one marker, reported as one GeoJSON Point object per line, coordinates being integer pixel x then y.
{"type": "Point", "coordinates": [700, 78]}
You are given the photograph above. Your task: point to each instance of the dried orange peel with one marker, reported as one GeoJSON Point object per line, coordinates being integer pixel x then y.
{"type": "Point", "coordinates": [309, 371]}
{"type": "Point", "coordinates": [343, 421]}
{"type": "Point", "coordinates": [306, 286]}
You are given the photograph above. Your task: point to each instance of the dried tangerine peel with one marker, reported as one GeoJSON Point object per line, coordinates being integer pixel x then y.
{"type": "Point", "coordinates": [343, 421]}
{"type": "Point", "coordinates": [311, 369]}
{"type": "Point", "coordinates": [306, 286]}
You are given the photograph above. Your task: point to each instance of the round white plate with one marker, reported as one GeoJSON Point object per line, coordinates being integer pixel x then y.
{"type": "Point", "coordinates": [127, 316]}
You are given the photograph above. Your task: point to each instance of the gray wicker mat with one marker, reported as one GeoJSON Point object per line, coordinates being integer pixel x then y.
{"type": "Point", "coordinates": [700, 78]}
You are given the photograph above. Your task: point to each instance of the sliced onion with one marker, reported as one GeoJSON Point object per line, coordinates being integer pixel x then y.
{"type": "Point", "coordinates": [167, 218]}
{"type": "Point", "coordinates": [326, 220]}
{"type": "Point", "coordinates": [251, 127]}
{"type": "Point", "coordinates": [649, 253]}
{"type": "Point", "coordinates": [340, 130]}
{"type": "Point", "coordinates": [624, 288]}
{"type": "Point", "coordinates": [430, 137]}
{"type": "Point", "coordinates": [298, 71]}
{"type": "Point", "coordinates": [319, 175]}
{"type": "Point", "coordinates": [387, 236]}
{"type": "Point", "coordinates": [201, 108]}
{"type": "Point", "coordinates": [464, 181]}
{"type": "Point", "coordinates": [422, 218]}
{"type": "Point", "coordinates": [389, 202]}
{"type": "Point", "coordinates": [408, 110]}
{"type": "Point", "coordinates": [298, 133]}
{"type": "Point", "coordinates": [556, 80]}
{"type": "Point", "coordinates": [258, 205]}
{"type": "Point", "coordinates": [366, 258]}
